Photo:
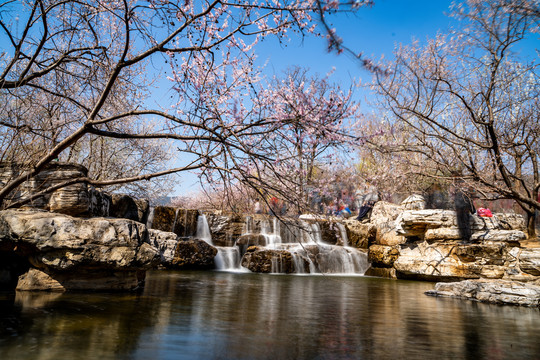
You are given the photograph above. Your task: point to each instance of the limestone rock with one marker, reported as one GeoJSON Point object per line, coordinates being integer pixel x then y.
{"type": "Point", "coordinates": [389, 273]}
{"type": "Point", "coordinates": [510, 221]}
{"type": "Point", "coordinates": [124, 206]}
{"type": "Point", "coordinates": [252, 239]}
{"type": "Point", "coordinates": [529, 261]}
{"type": "Point", "coordinates": [382, 256]}
{"type": "Point", "coordinates": [194, 254]}
{"type": "Point", "coordinates": [261, 260]}
{"type": "Point", "coordinates": [451, 233]}
{"type": "Point", "coordinates": [510, 236]}
{"type": "Point", "coordinates": [414, 202]}
{"type": "Point", "coordinates": [163, 218]}
{"type": "Point", "coordinates": [36, 279]}
{"type": "Point", "coordinates": [72, 200]}
{"type": "Point", "coordinates": [450, 261]}
{"type": "Point", "coordinates": [225, 229]}
{"type": "Point", "coordinates": [490, 291]}
{"type": "Point", "coordinates": [360, 235]}
{"type": "Point", "coordinates": [416, 222]}
{"type": "Point", "coordinates": [185, 223]}
{"type": "Point", "coordinates": [68, 247]}
{"type": "Point", "coordinates": [384, 212]}
{"type": "Point", "coordinates": [165, 242]}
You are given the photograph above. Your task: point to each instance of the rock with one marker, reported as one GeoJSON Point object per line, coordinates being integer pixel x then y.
{"type": "Point", "coordinates": [163, 218]}
{"type": "Point", "coordinates": [360, 235]}
{"type": "Point", "coordinates": [389, 238]}
{"type": "Point", "coordinates": [382, 256]}
{"type": "Point", "coordinates": [490, 291]}
{"type": "Point", "coordinates": [450, 262]}
{"type": "Point", "coordinates": [252, 239]}
{"type": "Point", "coordinates": [124, 206]}
{"type": "Point", "coordinates": [389, 273]}
{"type": "Point", "coordinates": [225, 229]}
{"type": "Point", "coordinates": [384, 213]}
{"type": "Point", "coordinates": [194, 254]}
{"type": "Point", "coordinates": [509, 236]}
{"type": "Point", "coordinates": [65, 247]}
{"type": "Point", "coordinates": [100, 203]}
{"type": "Point", "coordinates": [36, 279]}
{"type": "Point", "coordinates": [414, 202]}
{"type": "Point", "coordinates": [261, 260]}
{"type": "Point", "coordinates": [451, 233]}
{"type": "Point", "coordinates": [71, 200]}
{"type": "Point", "coordinates": [529, 261]}
{"type": "Point", "coordinates": [510, 221]}
{"type": "Point", "coordinates": [165, 242]}
{"type": "Point", "coordinates": [416, 222]}
{"type": "Point", "coordinates": [185, 223]}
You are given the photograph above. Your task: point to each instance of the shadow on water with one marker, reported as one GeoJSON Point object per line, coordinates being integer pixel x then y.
{"type": "Point", "coordinates": [213, 315]}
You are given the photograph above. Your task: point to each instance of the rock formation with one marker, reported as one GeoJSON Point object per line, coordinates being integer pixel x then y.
{"type": "Point", "coordinates": [502, 292]}
{"type": "Point", "coordinates": [60, 252]}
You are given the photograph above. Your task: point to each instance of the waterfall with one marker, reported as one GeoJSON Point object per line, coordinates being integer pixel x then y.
{"type": "Point", "coordinates": [343, 234]}
{"type": "Point", "coordinates": [150, 219]}
{"type": "Point", "coordinates": [228, 259]}
{"type": "Point", "coordinates": [271, 234]}
{"type": "Point", "coordinates": [203, 230]}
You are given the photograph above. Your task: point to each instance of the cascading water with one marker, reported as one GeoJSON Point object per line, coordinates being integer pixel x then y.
{"type": "Point", "coordinates": [302, 240]}
{"type": "Point", "coordinates": [227, 258]}
{"type": "Point", "coordinates": [203, 230]}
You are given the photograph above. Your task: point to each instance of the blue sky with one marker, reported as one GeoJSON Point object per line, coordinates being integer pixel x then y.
{"type": "Point", "coordinates": [374, 31]}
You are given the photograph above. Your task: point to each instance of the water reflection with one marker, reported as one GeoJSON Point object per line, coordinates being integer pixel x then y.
{"type": "Point", "coordinates": [210, 315]}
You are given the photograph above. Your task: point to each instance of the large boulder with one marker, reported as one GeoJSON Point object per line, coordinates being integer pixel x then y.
{"type": "Point", "coordinates": [124, 206]}
{"type": "Point", "coordinates": [64, 247]}
{"type": "Point", "coordinates": [382, 256]}
{"type": "Point", "coordinates": [262, 260]}
{"type": "Point", "coordinates": [225, 228]}
{"type": "Point", "coordinates": [451, 261]}
{"type": "Point", "coordinates": [71, 200]}
{"type": "Point", "coordinates": [529, 261]}
{"type": "Point", "coordinates": [360, 235]}
{"type": "Point", "coordinates": [194, 254]}
{"type": "Point", "coordinates": [490, 291]}
{"type": "Point", "coordinates": [165, 242]}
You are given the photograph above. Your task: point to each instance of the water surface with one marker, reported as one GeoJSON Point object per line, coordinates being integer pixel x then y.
{"type": "Point", "coordinates": [213, 315]}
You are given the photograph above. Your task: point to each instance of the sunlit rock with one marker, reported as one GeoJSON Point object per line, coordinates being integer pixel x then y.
{"type": "Point", "coordinates": [165, 242]}
{"type": "Point", "coordinates": [450, 261]}
{"type": "Point", "coordinates": [529, 261]}
{"type": "Point", "coordinates": [263, 260]}
{"type": "Point", "coordinates": [414, 202]}
{"type": "Point", "coordinates": [382, 256]}
{"type": "Point", "coordinates": [360, 235]}
{"type": "Point", "coordinates": [67, 248]}
{"type": "Point", "coordinates": [490, 291]}
{"type": "Point", "coordinates": [193, 254]}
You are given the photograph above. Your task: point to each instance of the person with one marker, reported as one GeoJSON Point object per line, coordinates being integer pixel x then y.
{"type": "Point", "coordinates": [464, 208]}
{"type": "Point", "coordinates": [369, 201]}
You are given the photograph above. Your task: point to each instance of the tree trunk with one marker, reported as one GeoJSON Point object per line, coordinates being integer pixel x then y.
{"type": "Point", "coordinates": [531, 225]}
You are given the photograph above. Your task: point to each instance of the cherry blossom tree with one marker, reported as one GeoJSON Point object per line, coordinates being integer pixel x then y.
{"type": "Point", "coordinates": [470, 105]}
{"type": "Point", "coordinates": [87, 63]}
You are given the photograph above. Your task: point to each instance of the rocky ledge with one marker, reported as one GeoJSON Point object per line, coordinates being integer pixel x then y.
{"type": "Point", "coordinates": [49, 251]}
{"type": "Point", "coordinates": [503, 292]}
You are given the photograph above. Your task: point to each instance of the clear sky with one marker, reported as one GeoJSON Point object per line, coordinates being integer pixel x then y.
{"type": "Point", "coordinates": [373, 31]}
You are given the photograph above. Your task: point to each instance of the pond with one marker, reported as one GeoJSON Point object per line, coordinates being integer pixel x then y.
{"type": "Point", "coordinates": [220, 315]}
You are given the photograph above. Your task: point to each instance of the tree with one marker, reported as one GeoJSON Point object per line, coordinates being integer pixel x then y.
{"type": "Point", "coordinates": [470, 106]}
{"type": "Point", "coordinates": [87, 62]}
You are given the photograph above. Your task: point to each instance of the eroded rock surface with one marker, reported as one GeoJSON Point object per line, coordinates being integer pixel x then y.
{"type": "Point", "coordinates": [491, 291]}
{"type": "Point", "coordinates": [78, 251]}
{"type": "Point", "coordinates": [194, 254]}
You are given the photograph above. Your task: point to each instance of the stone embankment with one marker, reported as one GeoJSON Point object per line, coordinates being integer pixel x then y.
{"type": "Point", "coordinates": [425, 244]}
